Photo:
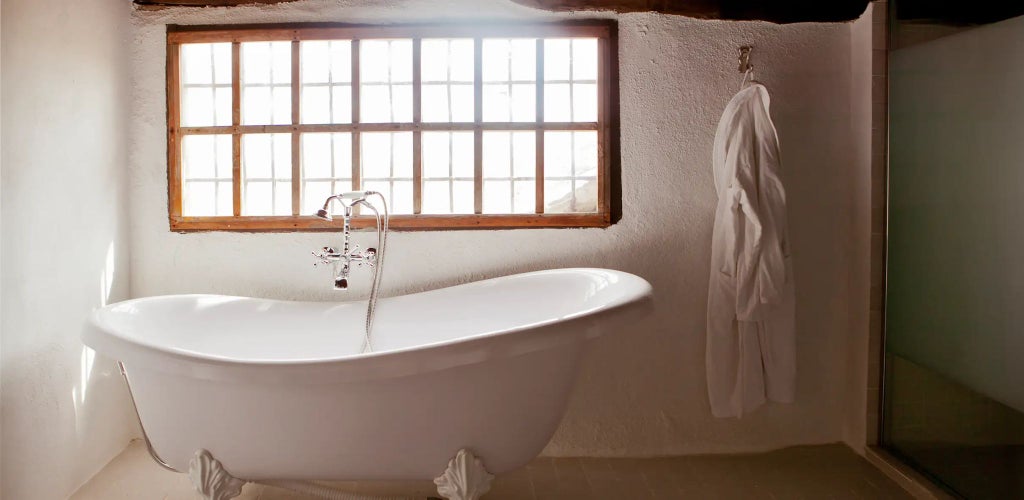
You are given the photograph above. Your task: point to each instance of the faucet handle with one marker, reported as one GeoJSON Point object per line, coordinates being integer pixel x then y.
{"type": "Point", "coordinates": [369, 257]}
{"type": "Point", "coordinates": [326, 256]}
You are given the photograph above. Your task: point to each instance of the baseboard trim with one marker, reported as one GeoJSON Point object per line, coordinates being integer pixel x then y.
{"type": "Point", "coordinates": [915, 483]}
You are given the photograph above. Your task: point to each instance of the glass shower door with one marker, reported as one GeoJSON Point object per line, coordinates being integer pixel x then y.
{"type": "Point", "coordinates": [954, 381]}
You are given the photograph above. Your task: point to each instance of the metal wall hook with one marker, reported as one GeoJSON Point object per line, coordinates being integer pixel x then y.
{"type": "Point", "coordinates": [745, 64]}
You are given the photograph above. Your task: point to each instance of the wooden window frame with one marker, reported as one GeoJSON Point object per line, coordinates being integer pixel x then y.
{"type": "Point", "coordinates": [605, 31]}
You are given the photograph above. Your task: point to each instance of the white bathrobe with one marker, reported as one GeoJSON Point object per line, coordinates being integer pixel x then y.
{"type": "Point", "coordinates": [750, 339]}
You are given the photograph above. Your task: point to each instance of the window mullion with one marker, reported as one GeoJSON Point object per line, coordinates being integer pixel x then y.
{"type": "Point", "coordinates": [296, 137]}
{"type": "Point", "coordinates": [356, 142]}
{"type": "Point", "coordinates": [539, 147]}
{"type": "Point", "coordinates": [478, 134]}
{"type": "Point", "coordinates": [236, 121]}
{"type": "Point", "coordinates": [174, 137]}
{"type": "Point", "coordinates": [417, 135]}
{"type": "Point", "coordinates": [603, 131]}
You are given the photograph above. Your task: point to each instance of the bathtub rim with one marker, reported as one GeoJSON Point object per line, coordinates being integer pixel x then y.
{"type": "Point", "coordinates": [462, 350]}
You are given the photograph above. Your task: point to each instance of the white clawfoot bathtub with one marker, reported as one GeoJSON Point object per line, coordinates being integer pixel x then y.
{"type": "Point", "coordinates": [278, 390]}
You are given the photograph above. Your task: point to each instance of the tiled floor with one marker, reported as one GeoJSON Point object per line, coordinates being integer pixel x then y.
{"type": "Point", "coordinates": [808, 472]}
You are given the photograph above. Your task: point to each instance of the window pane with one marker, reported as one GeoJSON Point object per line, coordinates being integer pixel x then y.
{"type": "Point", "coordinates": [497, 151]}
{"type": "Point", "coordinates": [584, 102]}
{"type": "Point", "coordinates": [206, 64]}
{"type": "Point", "coordinates": [326, 81]}
{"type": "Point", "coordinates": [524, 154]}
{"type": "Point", "coordinates": [509, 168]}
{"type": "Point", "coordinates": [436, 197]}
{"type": "Point", "coordinates": [436, 154]}
{"type": "Point", "coordinates": [570, 65]}
{"type": "Point", "coordinates": [496, 103]}
{"type": "Point", "coordinates": [199, 198]}
{"type": "Point", "coordinates": [524, 102]}
{"type": "Point", "coordinates": [444, 62]}
{"type": "Point", "coordinates": [316, 104]}
{"type": "Point", "coordinates": [584, 59]}
{"type": "Point", "coordinates": [206, 157]}
{"type": "Point", "coordinates": [585, 153]}
{"type": "Point", "coordinates": [258, 198]}
{"type": "Point", "coordinates": [523, 63]}
{"type": "Point", "coordinates": [461, 60]}
{"type": "Point", "coordinates": [558, 155]}
{"type": "Point", "coordinates": [463, 158]}
{"type": "Point", "coordinates": [434, 60]}
{"type": "Point", "coordinates": [197, 107]}
{"type": "Point", "coordinates": [385, 103]}
{"type": "Point", "coordinates": [497, 197]}
{"type": "Point", "coordinates": [341, 104]}
{"type": "Point", "coordinates": [326, 168]}
{"type": "Point", "coordinates": [509, 68]}
{"type": "Point", "coordinates": [387, 167]}
{"type": "Point", "coordinates": [556, 59]}
{"type": "Point", "coordinates": [463, 197]}
{"type": "Point", "coordinates": [557, 102]}
{"type": "Point", "coordinates": [207, 198]}
{"type": "Point", "coordinates": [386, 86]}
{"type": "Point", "coordinates": [314, 193]}
{"type": "Point", "coordinates": [524, 197]}
{"type": "Point", "coordinates": [496, 60]}
{"type": "Point", "coordinates": [447, 161]}
{"type": "Point", "coordinates": [570, 171]}
{"type": "Point", "coordinates": [222, 106]}
{"type": "Point", "coordinates": [266, 174]}
{"type": "Point", "coordinates": [435, 106]}
{"type": "Point", "coordinates": [197, 63]}
{"type": "Point", "coordinates": [266, 83]}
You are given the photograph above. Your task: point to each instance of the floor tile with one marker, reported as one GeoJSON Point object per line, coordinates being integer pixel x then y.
{"type": "Point", "coordinates": [806, 472]}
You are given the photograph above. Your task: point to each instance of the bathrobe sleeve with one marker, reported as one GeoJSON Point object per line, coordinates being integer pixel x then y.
{"type": "Point", "coordinates": [771, 276]}
{"type": "Point", "coordinates": [760, 202]}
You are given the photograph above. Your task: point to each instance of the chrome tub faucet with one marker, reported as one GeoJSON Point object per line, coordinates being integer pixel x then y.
{"type": "Point", "coordinates": [350, 255]}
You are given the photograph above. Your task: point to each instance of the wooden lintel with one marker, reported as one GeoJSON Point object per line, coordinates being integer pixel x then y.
{"type": "Point", "coordinates": [778, 11]}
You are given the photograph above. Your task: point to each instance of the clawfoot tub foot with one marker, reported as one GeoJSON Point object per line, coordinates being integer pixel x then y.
{"type": "Point", "coordinates": [210, 478]}
{"type": "Point", "coordinates": [465, 478]}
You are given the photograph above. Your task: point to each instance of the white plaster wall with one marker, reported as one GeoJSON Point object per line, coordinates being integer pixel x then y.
{"type": "Point", "coordinates": [859, 250]}
{"type": "Point", "coordinates": [642, 390]}
{"type": "Point", "coordinates": [64, 243]}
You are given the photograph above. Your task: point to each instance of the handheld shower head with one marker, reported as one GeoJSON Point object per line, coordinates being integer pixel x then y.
{"type": "Point", "coordinates": [348, 199]}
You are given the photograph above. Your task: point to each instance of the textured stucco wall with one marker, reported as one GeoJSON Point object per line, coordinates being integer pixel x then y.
{"type": "Point", "coordinates": [642, 390]}
{"type": "Point", "coordinates": [65, 243]}
{"type": "Point", "coordinates": [859, 250]}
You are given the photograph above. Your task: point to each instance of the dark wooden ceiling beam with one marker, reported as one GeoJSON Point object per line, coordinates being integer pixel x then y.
{"type": "Point", "coordinates": [204, 3]}
{"type": "Point", "coordinates": [778, 11]}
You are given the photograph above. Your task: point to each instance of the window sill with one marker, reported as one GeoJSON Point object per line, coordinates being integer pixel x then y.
{"type": "Point", "coordinates": [285, 224]}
